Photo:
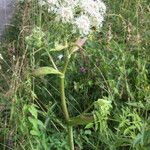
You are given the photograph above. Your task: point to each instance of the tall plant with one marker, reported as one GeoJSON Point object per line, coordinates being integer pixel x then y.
{"type": "Point", "coordinates": [80, 18]}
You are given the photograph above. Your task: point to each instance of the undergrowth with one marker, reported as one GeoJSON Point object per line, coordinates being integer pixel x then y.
{"type": "Point", "coordinates": [113, 65]}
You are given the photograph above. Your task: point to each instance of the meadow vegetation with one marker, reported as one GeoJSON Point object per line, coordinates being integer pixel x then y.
{"type": "Point", "coordinates": [107, 79]}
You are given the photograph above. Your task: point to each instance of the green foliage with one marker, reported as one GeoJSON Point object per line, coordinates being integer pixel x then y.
{"type": "Point", "coordinates": [45, 71]}
{"type": "Point", "coordinates": [36, 38]}
{"type": "Point", "coordinates": [142, 139]}
{"type": "Point", "coordinates": [102, 110]}
{"type": "Point", "coordinates": [109, 77]}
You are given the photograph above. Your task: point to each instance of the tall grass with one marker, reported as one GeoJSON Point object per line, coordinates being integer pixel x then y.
{"type": "Point", "coordinates": [113, 65]}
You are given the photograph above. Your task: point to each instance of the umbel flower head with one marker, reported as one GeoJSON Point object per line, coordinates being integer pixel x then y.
{"type": "Point", "coordinates": [82, 15]}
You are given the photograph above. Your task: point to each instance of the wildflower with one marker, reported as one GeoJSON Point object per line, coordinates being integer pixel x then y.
{"type": "Point", "coordinates": [52, 9]}
{"type": "Point", "coordinates": [71, 3]}
{"type": "Point", "coordinates": [102, 7]}
{"type": "Point", "coordinates": [83, 24]}
{"type": "Point", "coordinates": [95, 10]}
{"type": "Point", "coordinates": [52, 2]}
{"type": "Point", "coordinates": [60, 56]}
{"type": "Point", "coordinates": [52, 6]}
{"type": "Point", "coordinates": [82, 15]}
{"type": "Point", "coordinates": [89, 6]}
{"type": "Point", "coordinates": [97, 20]}
{"type": "Point", "coordinates": [41, 3]}
{"type": "Point", "coordinates": [65, 14]}
{"type": "Point", "coordinates": [83, 70]}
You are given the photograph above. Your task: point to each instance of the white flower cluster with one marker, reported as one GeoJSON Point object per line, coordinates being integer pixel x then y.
{"type": "Point", "coordinates": [82, 14]}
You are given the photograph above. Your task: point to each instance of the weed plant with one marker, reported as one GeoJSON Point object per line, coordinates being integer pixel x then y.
{"type": "Point", "coordinates": [112, 66]}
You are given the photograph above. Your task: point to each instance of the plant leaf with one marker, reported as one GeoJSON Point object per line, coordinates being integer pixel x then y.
{"type": "Point", "coordinates": [45, 71]}
{"type": "Point", "coordinates": [59, 47]}
{"type": "Point", "coordinates": [89, 125]}
{"type": "Point", "coordinates": [33, 111]}
{"type": "Point", "coordinates": [137, 140]}
{"type": "Point", "coordinates": [33, 132]}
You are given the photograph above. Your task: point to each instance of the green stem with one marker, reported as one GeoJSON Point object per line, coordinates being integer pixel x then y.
{"type": "Point", "coordinates": [65, 112]}
{"type": "Point", "coordinates": [70, 136]}
{"type": "Point", "coordinates": [63, 99]}
{"type": "Point", "coordinates": [66, 63]}
{"type": "Point", "coordinates": [63, 102]}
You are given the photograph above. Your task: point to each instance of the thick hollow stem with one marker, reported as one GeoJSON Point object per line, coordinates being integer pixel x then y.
{"type": "Point", "coordinates": [66, 114]}
{"type": "Point", "coordinates": [63, 99]}
{"type": "Point", "coordinates": [70, 136]}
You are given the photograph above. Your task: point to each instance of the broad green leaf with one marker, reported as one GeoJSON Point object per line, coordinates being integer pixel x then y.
{"type": "Point", "coordinates": [89, 125]}
{"type": "Point", "coordinates": [33, 111]}
{"type": "Point", "coordinates": [136, 104]}
{"type": "Point", "coordinates": [33, 132]}
{"type": "Point", "coordinates": [45, 71]}
{"type": "Point", "coordinates": [40, 123]}
{"type": "Point", "coordinates": [137, 140]}
{"type": "Point", "coordinates": [34, 123]}
{"type": "Point", "coordinates": [88, 132]}
{"type": "Point", "coordinates": [59, 47]}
